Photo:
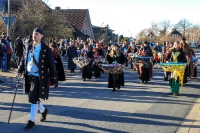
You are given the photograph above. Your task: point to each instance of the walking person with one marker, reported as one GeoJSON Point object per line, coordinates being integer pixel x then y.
{"type": "Point", "coordinates": [71, 53]}
{"type": "Point", "coordinates": [1, 58]}
{"type": "Point", "coordinates": [86, 52]}
{"type": "Point", "coordinates": [58, 62]}
{"type": "Point", "coordinates": [18, 49]}
{"type": "Point", "coordinates": [3, 42]}
{"type": "Point", "coordinates": [115, 56]}
{"type": "Point", "coordinates": [38, 66]}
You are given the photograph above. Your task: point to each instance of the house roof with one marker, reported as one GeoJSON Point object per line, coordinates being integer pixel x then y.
{"type": "Point", "coordinates": [174, 31]}
{"type": "Point", "coordinates": [75, 16]}
{"type": "Point", "coordinates": [93, 26]}
{"type": "Point", "coordinates": [151, 33]}
{"type": "Point", "coordinates": [78, 32]}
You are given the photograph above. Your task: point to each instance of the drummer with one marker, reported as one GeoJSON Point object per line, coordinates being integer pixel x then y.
{"type": "Point", "coordinates": [145, 67]}
{"type": "Point", "coordinates": [99, 54]}
{"type": "Point", "coordinates": [115, 56]}
{"type": "Point", "coordinates": [86, 52]}
{"type": "Point", "coordinates": [176, 54]}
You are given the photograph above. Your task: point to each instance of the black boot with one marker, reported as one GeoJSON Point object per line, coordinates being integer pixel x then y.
{"type": "Point", "coordinates": [118, 87]}
{"type": "Point", "coordinates": [44, 115]}
{"type": "Point", "coordinates": [30, 125]}
{"type": "Point", "coordinates": [114, 89]}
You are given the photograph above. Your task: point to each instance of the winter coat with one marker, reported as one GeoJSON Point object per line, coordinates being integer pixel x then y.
{"type": "Point", "coordinates": [19, 47]}
{"type": "Point", "coordinates": [47, 70]}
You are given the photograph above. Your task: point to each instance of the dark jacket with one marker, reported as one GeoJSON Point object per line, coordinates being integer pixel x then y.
{"type": "Point", "coordinates": [71, 53]}
{"type": "Point", "coordinates": [19, 47]}
{"type": "Point", "coordinates": [1, 51]}
{"type": "Point", "coordinates": [47, 70]}
{"type": "Point", "coordinates": [180, 58]}
{"type": "Point", "coordinates": [3, 43]}
{"type": "Point", "coordinates": [118, 59]}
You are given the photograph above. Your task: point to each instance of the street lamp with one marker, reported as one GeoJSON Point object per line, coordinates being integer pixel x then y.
{"type": "Point", "coordinates": [101, 29]}
{"type": "Point", "coordinates": [118, 38]}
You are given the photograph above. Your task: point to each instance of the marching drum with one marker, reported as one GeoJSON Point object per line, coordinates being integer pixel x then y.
{"type": "Point", "coordinates": [112, 68]}
{"type": "Point", "coordinates": [178, 69]}
{"type": "Point", "coordinates": [98, 59]}
{"type": "Point", "coordinates": [81, 61]}
{"type": "Point", "coordinates": [143, 61]}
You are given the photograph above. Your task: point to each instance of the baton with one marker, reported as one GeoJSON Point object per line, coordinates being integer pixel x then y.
{"type": "Point", "coordinates": [18, 78]}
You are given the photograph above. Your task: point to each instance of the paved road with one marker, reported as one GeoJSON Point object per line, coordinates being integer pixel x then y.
{"type": "Point", "coordinates": [90, 106]}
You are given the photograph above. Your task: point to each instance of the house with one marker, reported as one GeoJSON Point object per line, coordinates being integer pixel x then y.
{"type": "Point", "coordinates": [79, 19]}
{"type": "Point", "coordinates": [175, 34]}
{"type": "Point", "coordinates": [151, 37]}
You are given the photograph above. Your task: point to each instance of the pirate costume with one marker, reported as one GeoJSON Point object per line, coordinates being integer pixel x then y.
{"type": "Point", "coordinates": [38, 66]}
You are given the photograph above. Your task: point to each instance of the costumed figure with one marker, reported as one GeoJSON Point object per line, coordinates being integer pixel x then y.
{"type": "Point", "coordinates": [195, 59]}
{"type": "Point", "coordinates": [187, 50]}
{"type": "Point", "coordinates": [37, 65]}
{"type": "Point", "coordinates": [156, 50]}
{"type": "Point", "coordinates": [145, 66]}
{"type": "Point", "coordinates": [71, 53]}
{"type": "Point", "coordinates": [86, 52]}
{"type": "Point", "coordinates": [99, 55]}
{"type": "Point", "coordinates": [176, 55]}
{"type": "Point", "coordinates": [166, 50]}
{"type": "Point", "coordinates": [58, 62]}
{"type": "Point", "coordinates": [115, 56]}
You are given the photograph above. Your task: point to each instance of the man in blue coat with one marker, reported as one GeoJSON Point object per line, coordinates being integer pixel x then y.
{"type": "Point", "coordinates": [38, 66]}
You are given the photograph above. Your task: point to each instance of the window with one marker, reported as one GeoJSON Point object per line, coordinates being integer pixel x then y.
{"type": "Point", "coordinates": [175, 35]}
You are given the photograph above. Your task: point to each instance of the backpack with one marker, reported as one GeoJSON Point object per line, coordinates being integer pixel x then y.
{"type": "Point", "coordinates": [9, 51]}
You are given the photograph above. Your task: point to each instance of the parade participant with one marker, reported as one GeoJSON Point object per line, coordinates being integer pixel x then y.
{"type": "Point", "coordinates": [58, 62]}
{"type": "Point", "coordinates": [87, 53]}
{"type": "Point", "coordinates": [145, 68]}
{"type": "Point", "coordinates": [115, 57]}
{"type": "Point", "coordinates": [156, 49]}
{"type": "Point", "coordinates": [176, 54]}
{"type": "Point", "coordinates": [124, 49]}
{"type": "Point", "coordinates": [166, 50]}
{"type": "Point", "coordinates": [194, 59]}
{"type": "Point", "coordinates": [187, 50]}
{"type": "Point", "coordinates": [98, 53]}
{"type": "Point", "coordinates": [71, 53]}
{"type": "Point", "coordinates": [38, 66]}
{"type": "Point", "coordinates": [131, 49]}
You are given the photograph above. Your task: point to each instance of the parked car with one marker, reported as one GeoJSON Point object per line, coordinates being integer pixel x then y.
{"type": "Point", "coordinates": [193, 45]}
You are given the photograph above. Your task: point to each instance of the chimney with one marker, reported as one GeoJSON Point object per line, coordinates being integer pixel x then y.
{"type": "Point", "coordinates": [57, 8]}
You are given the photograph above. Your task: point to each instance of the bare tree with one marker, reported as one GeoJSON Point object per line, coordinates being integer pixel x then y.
{"type": "Point", "coordinates": [36, 13]}
{"type": "Point", "coordinates": [182, 25]}
{"type": "Point", "coordinates": [161, 28]}
{"type": "Point", "coordinates": [142, 35]}
{"type": "Point", "coordinates": [192, 33]}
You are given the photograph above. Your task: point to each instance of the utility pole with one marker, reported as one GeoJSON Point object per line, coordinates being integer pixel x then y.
{"type": "Point", "coordinates": [118, 38]}
{"type": "Point", "coordinates": [8, 20]}
{"type": "Point", "coordinates": [8, 24]}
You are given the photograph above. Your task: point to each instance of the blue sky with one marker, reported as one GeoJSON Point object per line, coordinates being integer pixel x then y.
{"type": "Point", "coordinates": [129, 17]}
